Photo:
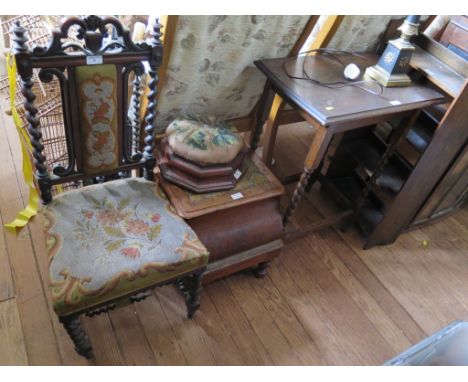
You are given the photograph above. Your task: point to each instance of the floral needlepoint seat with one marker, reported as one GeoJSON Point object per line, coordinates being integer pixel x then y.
{"type": "Point", "coordinates": [108, 240]}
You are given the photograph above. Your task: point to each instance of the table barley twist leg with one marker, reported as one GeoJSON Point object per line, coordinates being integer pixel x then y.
{"type": "Point", "coordinates": [312, 163]}
{"type": "Point", "coordinates": [298, 192]}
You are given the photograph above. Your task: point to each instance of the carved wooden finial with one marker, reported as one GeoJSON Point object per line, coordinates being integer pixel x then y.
{"type": "Point", "coordinates": [19, 38]}
{"type": "Point", "coordinates": [155, 33]}
{"type": "Point", "coordinates": [155, 43]}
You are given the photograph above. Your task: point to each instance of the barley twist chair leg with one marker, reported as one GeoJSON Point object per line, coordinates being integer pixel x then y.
{"type": "Point", "coordinates": [191, 286]}
{"type": "Point", "coordinates": [193, 295]}
{"type": "Point", "coordinates": [77, 335]}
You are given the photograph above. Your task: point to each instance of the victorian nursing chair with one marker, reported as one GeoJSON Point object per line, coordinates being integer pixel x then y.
{"type": "Point", "coordinates": [112, 241]}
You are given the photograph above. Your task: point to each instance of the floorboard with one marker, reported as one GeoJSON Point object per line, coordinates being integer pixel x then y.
{"type": "Point", "coordinates": [286, 320]}
{"type": "Point", "coordinates": [37, 328]}
{"type": "Point", "coordinates": [104, 341]}
{"type": "Point", "coordinates": [359, 271]}
{"type": "Point", "coordinates": [131, 337]}
{"type": "Point", "coordinates": [325, 301]}
{"type": "Point", "coordinates": [237, 324]}
{"type": "Point", "coordinates": [159, 332]}
{"type": "Point", "coordinates": [263, 323]}
{"type": "Point", "coordinates": [7, 288]}
{"type": "Point", "coordinates": [354, 333]}
{"type": "Point", "coordinates": [12, 344]}
{"type": "Point", "coordinates": [198, 348]}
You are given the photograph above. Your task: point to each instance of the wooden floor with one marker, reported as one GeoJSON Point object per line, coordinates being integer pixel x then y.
{"type": "Point", "coordinates": [325, 301]}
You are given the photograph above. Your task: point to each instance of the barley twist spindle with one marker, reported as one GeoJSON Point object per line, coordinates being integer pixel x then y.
{"type": "Point", "coordinates": [136, 114]}
{"type": "Point", "coordinates": [298, 192]}
{"type": "Point", "coordinates": [22, 56]}
{"type": "Point", "coordinates": [148, 153]}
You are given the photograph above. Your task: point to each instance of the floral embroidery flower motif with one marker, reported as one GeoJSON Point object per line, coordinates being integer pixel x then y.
{"type": "Point", "coordinates": [126, 232]}
{"type": "Point", "coordinates": [98, 107]}
{"type": "Point", "coordinates": [101, 140]}
{"type": "Point", "coordinates": [137, 227]}
{"type": "Point", "coordinates": [132, 252]}
{"type": "Point", "coordinates": [109, 217]}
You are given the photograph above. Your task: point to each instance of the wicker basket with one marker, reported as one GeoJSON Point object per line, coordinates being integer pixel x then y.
{"type": "Point", "coordinates": [39, 28]}
{"type": "Point", "coordinates": [48, 100]}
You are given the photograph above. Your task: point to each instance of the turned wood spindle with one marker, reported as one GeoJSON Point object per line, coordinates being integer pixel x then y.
{"type": "Point", "coordinates": [148, 153]}
{"type": "Point", "coordinates": [136, 114]}
{"type": "Point", "coordinates": [22, 56]}
{"type": "Point", "coordinates": [298, 192]}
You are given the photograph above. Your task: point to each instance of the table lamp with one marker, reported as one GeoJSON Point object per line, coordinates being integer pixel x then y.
{"type": "Point", "coordinates": [391, 69]}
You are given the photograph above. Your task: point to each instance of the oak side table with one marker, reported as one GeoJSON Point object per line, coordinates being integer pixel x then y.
{"type": "Point", "coordinates": [333, 110]}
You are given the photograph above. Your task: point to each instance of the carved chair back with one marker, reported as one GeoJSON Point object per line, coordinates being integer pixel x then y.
{"type": "Point", "coordinates": [94, 72]}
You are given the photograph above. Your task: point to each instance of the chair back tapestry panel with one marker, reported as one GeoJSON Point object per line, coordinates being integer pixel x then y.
{"type": "Point", "coordinates": [211, 68]}
{"type": "Point", "coordinates": [97, 109]}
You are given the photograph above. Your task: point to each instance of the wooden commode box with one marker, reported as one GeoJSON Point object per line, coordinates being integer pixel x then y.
{"type": "Point", "coordinates": [241, 227]}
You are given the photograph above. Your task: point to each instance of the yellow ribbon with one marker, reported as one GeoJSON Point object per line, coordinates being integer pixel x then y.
{"type": "Point", "coordinates": [22, 217]}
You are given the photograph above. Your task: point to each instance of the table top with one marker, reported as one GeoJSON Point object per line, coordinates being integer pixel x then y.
{"type": "Point", "coordinates": [341, 104]}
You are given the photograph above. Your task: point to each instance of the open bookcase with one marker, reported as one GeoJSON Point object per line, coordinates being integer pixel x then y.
{"type": "Point", "coordinates": [426, 178]}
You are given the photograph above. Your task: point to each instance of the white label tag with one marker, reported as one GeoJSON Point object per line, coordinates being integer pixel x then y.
{"type": "Point", "coordinates": [93, 60]}
{"type": "Point", "coordinates": [237, 174]}
{"type": "Point", "coordinates": [329, 108]}
{"type": "Point", "coordinates": [237, 196]}
{"type": "Point", "coordinates": [395, 102]}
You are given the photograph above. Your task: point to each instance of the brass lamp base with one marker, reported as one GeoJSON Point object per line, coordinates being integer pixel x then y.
{"type": "Point", "coordinates": [386, 79]}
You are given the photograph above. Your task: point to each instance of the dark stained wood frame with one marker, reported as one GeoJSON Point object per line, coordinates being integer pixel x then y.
{"type": "Point", "coordinates": [55, 60]}
{"type": "Point", "coordinates": [452, 137]}
{"type": "Point", "coordinates": [60, 58]}
{"type": "Point", "coordinates": [429, 181]}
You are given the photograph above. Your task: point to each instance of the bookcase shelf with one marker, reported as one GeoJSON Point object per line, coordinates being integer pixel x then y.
{"type": "Point", "coordinates": [426, 177]}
